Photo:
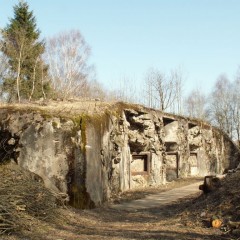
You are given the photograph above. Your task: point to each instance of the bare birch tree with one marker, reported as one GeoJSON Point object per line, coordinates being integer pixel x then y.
{"type": "Point", "coordinates": [195, 104]}
{"type": "Point", "coordinates": [177, 76]}
{"type": "Point", "coordinates": [127, 90]}
{"type": "Point", "coordinates": [236, 106]}
{"type": "Point", "coordinates": [18, 50]}
{"type": "Point", "coordinates": [163, 91]}
{"type": "Point", "coordinates": [67, 55]}
{"type": "Point", "coordinates": [221, 107]}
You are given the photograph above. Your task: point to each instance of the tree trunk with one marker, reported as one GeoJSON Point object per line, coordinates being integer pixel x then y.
{"type": "Point", "coordinates": [18, 74]}
{"type": "Point", "coordinates": [34, 78]}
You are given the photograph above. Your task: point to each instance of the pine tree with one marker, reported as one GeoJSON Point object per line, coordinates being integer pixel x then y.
{"type": "Point", "coordinates": [23, 48]}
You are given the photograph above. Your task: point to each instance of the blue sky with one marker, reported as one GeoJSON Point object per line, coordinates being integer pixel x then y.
{"type": "Point", "coordinates": [128, 37]}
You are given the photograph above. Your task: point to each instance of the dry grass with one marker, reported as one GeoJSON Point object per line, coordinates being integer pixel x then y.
{"type": "Point", "coordinates": [62, 108]}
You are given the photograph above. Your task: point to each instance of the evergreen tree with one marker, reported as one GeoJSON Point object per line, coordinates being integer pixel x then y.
{"type": "Point", "coordinates": [23, 48]}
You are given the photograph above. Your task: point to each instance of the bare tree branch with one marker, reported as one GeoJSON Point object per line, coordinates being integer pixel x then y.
{"type": "Point", "coordinates": [163, 91]}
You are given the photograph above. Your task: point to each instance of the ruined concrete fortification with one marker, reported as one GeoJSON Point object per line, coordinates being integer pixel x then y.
{"type": "Point", "coordinates": [93, 150]}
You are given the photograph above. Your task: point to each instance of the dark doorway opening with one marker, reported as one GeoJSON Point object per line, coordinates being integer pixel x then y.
{"type": "Point", "coordinates": [172, 162]}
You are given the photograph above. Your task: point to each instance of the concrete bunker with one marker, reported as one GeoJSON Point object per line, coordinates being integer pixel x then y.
{"type": "Point", "coordinates": [92, 158]}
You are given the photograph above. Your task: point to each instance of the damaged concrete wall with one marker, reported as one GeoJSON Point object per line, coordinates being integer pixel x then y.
{"type": "Point", "coordinates": [165, 147]}
{"type": "Point", "coordinates": [89, 158]}
{"type": "Point", "coordinates": [51, 147]}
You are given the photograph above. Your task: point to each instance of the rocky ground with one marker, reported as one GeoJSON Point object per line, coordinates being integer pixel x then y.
{"type": "Point", "coordinates": [188, 218]}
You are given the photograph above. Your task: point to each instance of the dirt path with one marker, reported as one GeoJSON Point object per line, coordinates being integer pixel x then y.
{"type": "Point", "coordinates": [159, 199]}
{"type": "Point", "coordinates": [150, 220]}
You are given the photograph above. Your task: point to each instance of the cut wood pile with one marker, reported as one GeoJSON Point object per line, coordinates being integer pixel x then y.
{"type": "Point", "coordinates": [23, 198]}
{"type": "Point", "coordinates": [219, 208]}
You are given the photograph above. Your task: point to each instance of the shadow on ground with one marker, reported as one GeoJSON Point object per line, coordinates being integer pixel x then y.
{"type": "Point", "coordinates": [155, 223]}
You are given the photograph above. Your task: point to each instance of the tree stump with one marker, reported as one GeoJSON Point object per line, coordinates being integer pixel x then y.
{"type": "Point", "coordinates": [210, 184]}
